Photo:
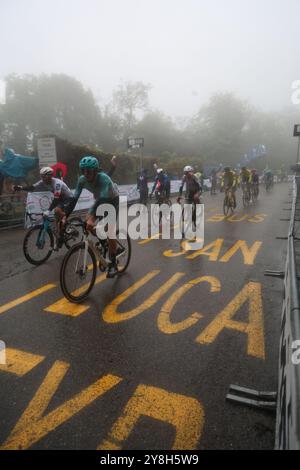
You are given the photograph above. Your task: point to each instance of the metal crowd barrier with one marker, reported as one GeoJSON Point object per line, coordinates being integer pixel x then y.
{"type": "Point", "coordinates": [12, 209]}
{"type": "Point", "coordinates": [288, 396]}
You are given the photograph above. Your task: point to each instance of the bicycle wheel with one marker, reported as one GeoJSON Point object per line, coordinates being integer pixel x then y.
{"type": "Point", "coordinates": [254, 195]}
{"type": "Point", "coordinates": [124, 252]}
{"type": "Point", "coordinates": [245, 199]}
{"type": "Point", "coordinates": [156, 214]}
{"type": "Point", "coordinates": [38, 245]}
{"type": "Point", "coordinates": [76, 282]}
{"type": "Point", "coordinates": [166, 212]}
{"type": "Point", "coordinates": [226, 205]}
{"type": "Point", "coordinates": [73, 232]}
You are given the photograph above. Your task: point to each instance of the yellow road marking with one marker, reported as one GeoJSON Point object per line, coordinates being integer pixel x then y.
{"type": "Point", "coordinates": [111, 315]}
{"type": "Point", "coordinates": [249, 254]}
{"type": "Point", "coordinates": [184, 414]}
{"type": "Point", "coordinates": [64, 307]}
{"type": "Point", "coordinates": [20, 362]}
{"type": "Point", "coordinates": [254, 329]}
{"type": "Point", "coordinates": [163, 321]}
{"type": "Point", "coordinates": [155, 236]}
{"type": "Point", "coordinates": [33, 426]}
{"type": "Point", "coordinates": [25, 298]}
{"type": "Point", "coordinates": [143, 242]}
{"type": "Point", "coordinates": [212, 250]}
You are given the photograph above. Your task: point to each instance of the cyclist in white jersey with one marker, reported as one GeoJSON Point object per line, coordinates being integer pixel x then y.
{"type": "Point", "coordinates": [61, 192]}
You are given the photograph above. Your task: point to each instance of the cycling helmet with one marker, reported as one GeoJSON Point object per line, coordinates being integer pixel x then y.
{"type": "Point", "coordinates": [159, 170]}
{"type": "Point", "coordinates": [46, 171]}
{"type": "Point", "coordinates": [89, 162]}
{"type": "Point", "coordinates": [188, 169]}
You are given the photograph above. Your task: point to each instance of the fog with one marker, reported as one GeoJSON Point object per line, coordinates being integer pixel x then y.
{"type": "Point", "coordinates": [187, 50]}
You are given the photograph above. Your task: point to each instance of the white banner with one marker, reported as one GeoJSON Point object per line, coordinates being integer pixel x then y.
{"type": "Point", "coordinates": [40, 201]}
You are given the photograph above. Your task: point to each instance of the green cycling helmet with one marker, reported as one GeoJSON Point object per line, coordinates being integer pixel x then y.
{"type": "Point", "coordinates": [89, 162]}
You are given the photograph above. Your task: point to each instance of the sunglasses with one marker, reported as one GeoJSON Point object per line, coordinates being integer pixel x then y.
{"type": "Point", "coordinates": [87, 171]}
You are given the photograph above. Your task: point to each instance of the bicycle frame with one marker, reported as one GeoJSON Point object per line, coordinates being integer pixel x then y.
{"type": "Point", "coordinates": [100, 259]}
{"type": "Point", "coordinates": [41, 238]}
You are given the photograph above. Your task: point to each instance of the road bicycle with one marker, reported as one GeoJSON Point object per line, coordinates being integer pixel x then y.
{"type": "Point", "coordinates": [213, 189]}
{"type": "Point", "coordinates": [254, 193]}
{"type": "Point", "coordinates": [246, 195]}
{"type": "Point", "coordinates": [161, 209]}
{"type": "Point", "coordinates": [79, 267]}
{"type": "Point", "coordinates": [42, 238]}
{"type": "Point", "coordinates": [228, 204]}
{"type": "Point", "coordinates": [269, 183]}
{"type": "Point", "coordinates": [188, 222]}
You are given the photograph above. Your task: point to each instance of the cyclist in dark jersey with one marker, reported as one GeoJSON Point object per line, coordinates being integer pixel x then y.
{"type": "Point", "coordinates": [193, 187]}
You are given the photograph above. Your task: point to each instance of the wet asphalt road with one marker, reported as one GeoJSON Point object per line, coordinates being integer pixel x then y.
{"type": "Point", "coordinates": [149, 369]}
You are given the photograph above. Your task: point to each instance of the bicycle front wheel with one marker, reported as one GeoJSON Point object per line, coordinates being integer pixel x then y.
{"type": "Point", "coordinates": [38, 245]}
{"type": "Point", "coordinates": [77, 275]}
{"type": "Point", "coordinates": [226, 206]}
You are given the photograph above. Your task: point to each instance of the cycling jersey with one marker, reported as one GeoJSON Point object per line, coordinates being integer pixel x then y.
{"type": "Point", "coordinates": [255, 179]}
{"type": "Point", "coordinates": [102, 188]}
{"type": "Point", "coordinates": [160, 183]}
{"type": "Point", "coordinates": [62, 194]}
{"type": "Point", "coordinates": [229, 180]}
{"type": "Point", "coordinates": [192, 186]}
{"type": "Point", "coordinates": [246, 176]}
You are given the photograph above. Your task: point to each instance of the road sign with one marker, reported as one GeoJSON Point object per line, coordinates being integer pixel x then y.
{"type": "Point", "coordinates": [297, 130]}
{"type": "Point", "coordinates": [47, 151]}
{"type": "Point", "coordinates": [135, 143]}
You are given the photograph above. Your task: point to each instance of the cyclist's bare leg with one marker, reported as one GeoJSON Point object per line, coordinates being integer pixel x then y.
{"type": "Point", "coordinates": [60, 220]}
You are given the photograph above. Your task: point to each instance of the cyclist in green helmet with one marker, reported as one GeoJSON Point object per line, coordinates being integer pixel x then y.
{"type": "Point", "coordinates": [105, 192]}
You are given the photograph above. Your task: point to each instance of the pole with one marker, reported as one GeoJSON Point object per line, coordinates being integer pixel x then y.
{"type": "Point", "coordinates": [298, 154]}
{"type": "Point", "coordinates": [141, 158]}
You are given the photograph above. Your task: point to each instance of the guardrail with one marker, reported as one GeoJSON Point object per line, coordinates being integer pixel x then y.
{"type": "Point", "coordinates": [288, 396]}
{"type": "Point", "coordinates": [12, 209]}
{"type": "Point", "coordinates": [13, 206]}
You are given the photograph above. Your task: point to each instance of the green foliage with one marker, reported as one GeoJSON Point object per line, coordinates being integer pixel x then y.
{"type": "Point", "coordinates": [221, 132]}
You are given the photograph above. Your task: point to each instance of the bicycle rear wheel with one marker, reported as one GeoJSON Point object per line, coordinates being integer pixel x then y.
{"type": "Point", "coordinates": [124, 251]}
{"type": "Point", "coordinates": [76, 278]}
{"type": "Point", "coordinates": [38, 245]}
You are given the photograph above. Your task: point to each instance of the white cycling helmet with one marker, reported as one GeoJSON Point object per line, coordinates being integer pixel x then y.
{"type": "Point", "coordinates": [159, 170]}
{"type": "Point", "coordinates": [46, 171]}
{"type": "Point", "coordinates": [188, 169]}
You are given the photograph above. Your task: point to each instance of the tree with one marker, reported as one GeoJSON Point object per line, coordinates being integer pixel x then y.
{"type": "Point", "coordinates": [127, 100]}
{"type": "Point", "coordinates": [56, 104]}
{"type": "Point", "coordinates": [218, 128]}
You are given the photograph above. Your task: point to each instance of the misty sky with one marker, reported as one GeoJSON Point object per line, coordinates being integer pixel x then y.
{"type": "Point", "coordinates": [186, 49]}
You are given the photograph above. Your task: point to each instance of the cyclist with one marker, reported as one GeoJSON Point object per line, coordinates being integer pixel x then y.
{"type": "Point", "coordinates": [214, 180]}
{"type": "Point", "coordinates": [159, 185]}
{"type": "Point", "coordinates": [167, 184]}
{"type": "Point", "coordinates": [255, 181]}
{"type": "Point", "coordinates": [105, 192]}
{"type": "Point", "coordinates": [61, 201]}
{"type": "Point", "coordinates": [268, 178]}
{"type": "Point", "coordinates": [193, 187]}
{"type": "Point", "coordinates": [142, 186]}
{"type": "Point", "coordinates": [246, 180]}
{"type": "Point", "coordinates": [229, 182]}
